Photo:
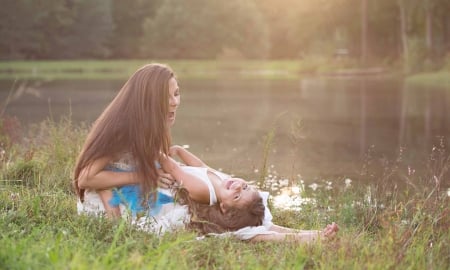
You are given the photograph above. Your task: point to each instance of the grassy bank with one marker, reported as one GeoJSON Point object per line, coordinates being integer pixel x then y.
{"type": "Point", "coordinates": [121, 69]}
{"type": "Point", "coordinates": [432, 79]}
{"type": "Point", "coordinates": [382, 226]}
{"type": "Point", "coordinates": [117, 69]}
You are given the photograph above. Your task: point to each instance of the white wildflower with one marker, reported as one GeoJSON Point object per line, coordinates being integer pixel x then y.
{"type": "Point", "coordinates": [348, 182]}
{"type": "Point", "coordinates": [313, 186]}
{"type": "Point", "coordinates": [284, 182]}
{"type": "Point", "coordinates": [295, 190]}
{"type": "Point", "coordinates": [14, 196]}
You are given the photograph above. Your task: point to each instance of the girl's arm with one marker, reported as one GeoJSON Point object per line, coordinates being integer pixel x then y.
{"type": "Point", "coordinates": [304, 237]}
{"type": "Point", "coordinates": [95, 177]}
{"type": "Point", "coordinates": [281, 229]}
{"type": "Point", "coordinates": [282, 234]}
{"type": "Point", "coordinates": [186, 157]}
{"type": "Point", "coordinates": [198, 190]}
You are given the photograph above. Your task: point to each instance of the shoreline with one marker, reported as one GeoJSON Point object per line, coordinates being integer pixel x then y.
{"type": "Point", "coordinates": [206, 69]}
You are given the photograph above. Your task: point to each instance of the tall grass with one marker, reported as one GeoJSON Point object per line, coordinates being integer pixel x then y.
{"type": "Point", "coordinates": [382, 226]}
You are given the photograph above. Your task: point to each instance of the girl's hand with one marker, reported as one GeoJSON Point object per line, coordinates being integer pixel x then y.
{"type": "Point", "coordinates": [165, 180]}
{"type": "Point", "coordinates": [173, 151]}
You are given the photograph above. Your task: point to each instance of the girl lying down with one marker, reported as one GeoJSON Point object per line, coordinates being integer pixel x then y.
{"type": "Point", "coordinates": [202, 199]}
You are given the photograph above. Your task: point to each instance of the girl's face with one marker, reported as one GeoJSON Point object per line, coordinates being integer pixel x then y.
{"type": "Point", "coordinates": [235, 192]}
{"type": "Point", "coordinates": [174, 100]}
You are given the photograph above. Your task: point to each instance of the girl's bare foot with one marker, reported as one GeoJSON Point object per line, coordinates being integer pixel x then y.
{"type": "Point", "coordinates": [330, 231]}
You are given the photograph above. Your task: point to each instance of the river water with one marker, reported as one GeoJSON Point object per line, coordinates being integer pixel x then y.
{"type": "Point", "coordinates": [309, 129]}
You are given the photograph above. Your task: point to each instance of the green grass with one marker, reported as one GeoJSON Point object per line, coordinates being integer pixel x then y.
{"type": "Point", "coordinates": [122, 69]}
{"type": "Point", "coordinates": [264, 69]}
{"type": "Point", "coordinates": [439, 79]}
{"type": "Point", "coordinates": [397, 228]}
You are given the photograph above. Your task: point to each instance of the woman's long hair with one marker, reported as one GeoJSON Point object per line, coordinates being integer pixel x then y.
{"type": "Point", "coordinates": [134, 122]}
{"type": "Point", "coordinates": [206, 219]}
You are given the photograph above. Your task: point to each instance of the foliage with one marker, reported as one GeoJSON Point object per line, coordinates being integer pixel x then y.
{"type": "Point", "coordinates": [202, 29]}
{"type": "Point", "coordinates": [128, 18]}
{"type": "Point", "coordinates": [45, 159]}
{"type": "Point", "coordinates": [54, 29]}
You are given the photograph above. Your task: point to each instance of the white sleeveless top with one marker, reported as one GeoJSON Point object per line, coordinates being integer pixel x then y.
{"type": "Point", "coordinates": [202, 173]}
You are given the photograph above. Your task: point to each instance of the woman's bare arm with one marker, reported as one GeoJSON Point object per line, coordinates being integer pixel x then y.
{"type": "Point", "coordinates": [95, 177]}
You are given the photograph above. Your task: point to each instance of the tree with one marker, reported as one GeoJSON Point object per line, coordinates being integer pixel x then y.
{"type": "Point", "coordinates": [203, 29]}
{"type": "Point", "coordinates": [281, 17]}
{"type": "Point", "coordinates": [27, 28]}
{"type": "Point", "coordinates": [54, 29]}
{"type": "Point", "coordinates": [128, 19]}
{"type": "Point", "coordinates": [89, 32]}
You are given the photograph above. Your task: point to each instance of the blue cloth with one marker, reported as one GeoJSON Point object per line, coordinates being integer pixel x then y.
{"type": "Point", "coordinates": [130, 196]}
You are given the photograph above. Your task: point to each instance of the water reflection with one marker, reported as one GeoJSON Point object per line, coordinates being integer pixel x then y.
{"type": "Point", "coordinates": [324, 128]}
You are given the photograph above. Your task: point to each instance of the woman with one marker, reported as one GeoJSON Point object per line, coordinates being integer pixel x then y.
{"type": "Point", "coordinates": [128, 138]}
{"type": "Point", "coordinates": [134, 129]}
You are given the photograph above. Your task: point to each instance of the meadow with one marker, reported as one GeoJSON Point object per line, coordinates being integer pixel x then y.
{"type": "Point", "coordinates": [382, 225]}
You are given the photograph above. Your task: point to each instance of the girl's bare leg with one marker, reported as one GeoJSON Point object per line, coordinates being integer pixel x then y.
{"type": "Point", "coordinates": [330, 230]}
{"type": "Point", "coordinates": [106, 196]}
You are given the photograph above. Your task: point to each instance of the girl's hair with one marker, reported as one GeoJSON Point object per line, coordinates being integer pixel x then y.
{"type": "Point", "coordinates": [134, 122]}
{"type": "Point", "coordinates": [206, 219]}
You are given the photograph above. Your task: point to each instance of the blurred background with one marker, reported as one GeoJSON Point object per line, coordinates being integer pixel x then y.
{"type": "Point", "coordinates": [311, 89]}
{"type": "Point", "coordinates": [382, 31]}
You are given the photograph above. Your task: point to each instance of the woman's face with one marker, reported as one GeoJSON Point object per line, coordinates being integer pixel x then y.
{"type": "Point", "coordinates": [174, 100]}
{"type": "Point", "coordinates": [236, 193]}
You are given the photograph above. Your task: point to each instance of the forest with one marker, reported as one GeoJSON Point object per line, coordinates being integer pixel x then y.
{"type": "Point", "coordinates": [411, 33]}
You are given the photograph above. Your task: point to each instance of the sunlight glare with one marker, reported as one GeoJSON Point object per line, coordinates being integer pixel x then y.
{"type": "Point", "coordinates": [284, 201]}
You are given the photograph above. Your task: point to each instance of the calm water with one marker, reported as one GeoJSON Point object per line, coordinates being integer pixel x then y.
{"type": "Point", "coordinates": [324, 128]}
